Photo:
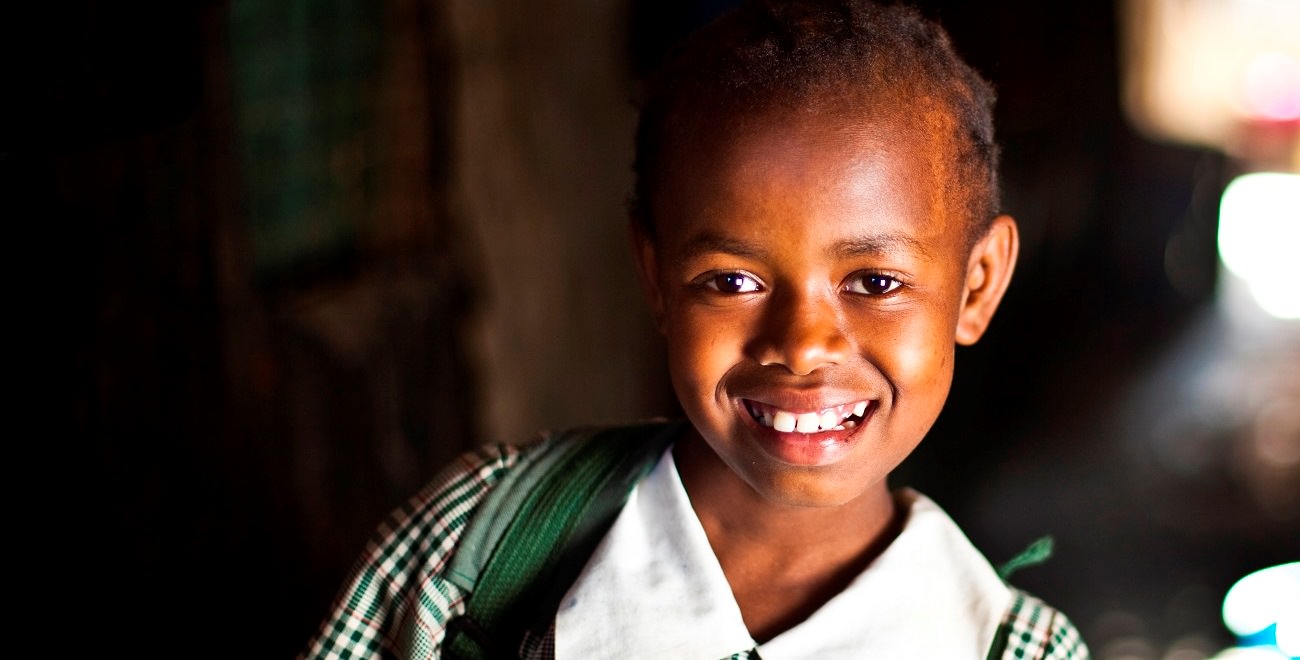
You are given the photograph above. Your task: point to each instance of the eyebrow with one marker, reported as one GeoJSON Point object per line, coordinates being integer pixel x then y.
{"type": "Point", "coordinates": [879, 244]}
{"type": "Point", "coordinates": [709, 243]}
{"type": "Point", "coordinates": [874, 245]}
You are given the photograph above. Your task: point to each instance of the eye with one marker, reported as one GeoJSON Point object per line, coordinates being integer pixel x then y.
{"type": "Point", "coordinates": [873, 284]}
{"type": "Point", "coordinates": [731, 283]}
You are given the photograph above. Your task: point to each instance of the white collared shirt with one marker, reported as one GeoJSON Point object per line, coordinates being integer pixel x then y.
{"type": "Point", "coordinates": [654, 589]}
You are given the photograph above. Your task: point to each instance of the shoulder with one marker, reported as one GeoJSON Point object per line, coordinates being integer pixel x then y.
{"type": "Point", "coordinates": [1016, 625]}
{"type": "Point", "coordinates": [396, 588]}
{"type": "Point", "coordinates": [1033, 629]}
{"type": "Point", "coordinates": [417, 570]}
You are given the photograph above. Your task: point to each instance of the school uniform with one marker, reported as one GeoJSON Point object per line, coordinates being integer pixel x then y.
{"type": "Point", "coordinates": [653, 588]}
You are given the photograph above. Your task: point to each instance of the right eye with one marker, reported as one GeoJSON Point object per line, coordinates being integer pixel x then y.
{"type": "Point", "coordinates": [732, 283]}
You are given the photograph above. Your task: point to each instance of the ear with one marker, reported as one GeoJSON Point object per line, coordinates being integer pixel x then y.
{"type": "Point", "coordinates": [988, 272]}
{"type": "Point", "coordinates": [647, 267]}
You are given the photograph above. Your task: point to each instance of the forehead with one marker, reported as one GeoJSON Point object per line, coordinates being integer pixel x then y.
{"type": "Point", "coordinates": [828, 172]}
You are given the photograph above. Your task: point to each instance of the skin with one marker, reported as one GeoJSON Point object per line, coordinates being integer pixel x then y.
{"type": "Point", "coordinates": [800, 265]}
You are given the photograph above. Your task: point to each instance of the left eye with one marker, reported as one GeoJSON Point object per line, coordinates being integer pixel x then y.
{"type": "Point", "coordinates": [732, 283]}
{"type": "Point", "coordinates": [873, 284]}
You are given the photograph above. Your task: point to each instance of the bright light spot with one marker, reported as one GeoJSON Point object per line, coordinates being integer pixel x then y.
{"type": "Point", "coordinates": [1288, 629]}
{"type": "Point", "coordinates": [1265, 598]}
{"type": "Point", "coordinates": [1288, 636]}
{"type": "Point", "coordinates": [1259, 238]}
{"type": "Point", "coordinates": [1195, 70]}
{"type": "Point", "coordinates": [1272, 86]}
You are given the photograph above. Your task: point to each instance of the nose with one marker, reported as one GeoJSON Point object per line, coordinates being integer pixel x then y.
{"type": "Point", "coordinates": [802, 332]}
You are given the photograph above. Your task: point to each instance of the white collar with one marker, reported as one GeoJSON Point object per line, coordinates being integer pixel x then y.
{"type": "Point", "coordinates": [654, 589]}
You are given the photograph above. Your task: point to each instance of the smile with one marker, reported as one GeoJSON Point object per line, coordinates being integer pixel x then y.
{"type": "Point", "coordinates": [838, 418]}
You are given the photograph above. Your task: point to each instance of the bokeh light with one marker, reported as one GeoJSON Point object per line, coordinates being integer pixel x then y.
{"type": "Point", "coordinates": [1263, 609]}
{"type": "Point", "coordinates": [1272, 86]}
{"type": "Point", "coordinates": [1195, 71]}
{"type": "Point", "coordinates": [1259, 236]}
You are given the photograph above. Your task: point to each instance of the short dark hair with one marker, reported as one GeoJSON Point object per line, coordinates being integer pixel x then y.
{"type": "Point", "coordinates": [771, 54]}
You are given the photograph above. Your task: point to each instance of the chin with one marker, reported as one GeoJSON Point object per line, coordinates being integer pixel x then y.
{"type": "Point", "coordinates": [810, 487]}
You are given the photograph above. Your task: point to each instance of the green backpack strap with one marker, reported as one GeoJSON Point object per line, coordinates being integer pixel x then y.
{"type": "Point", "coordinates": [533, 534]}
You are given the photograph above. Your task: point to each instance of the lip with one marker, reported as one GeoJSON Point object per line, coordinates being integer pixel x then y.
{"type": "Point", "coordinates": [805, 449]}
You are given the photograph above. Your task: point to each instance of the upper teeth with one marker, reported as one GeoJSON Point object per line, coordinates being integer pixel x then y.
{"type": "Point", "coordinates": [831, 419]}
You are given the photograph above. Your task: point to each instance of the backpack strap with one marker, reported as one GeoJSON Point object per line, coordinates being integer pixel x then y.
{"type": "Point", "coordinates": [533, 534]}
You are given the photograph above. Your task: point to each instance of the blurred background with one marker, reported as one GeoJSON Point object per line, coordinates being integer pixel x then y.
{"type": "Point", "coordinates": [290, 258]}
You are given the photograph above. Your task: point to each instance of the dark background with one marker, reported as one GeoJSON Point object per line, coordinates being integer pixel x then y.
{"type": "Point", "coordinates": [287, 260]}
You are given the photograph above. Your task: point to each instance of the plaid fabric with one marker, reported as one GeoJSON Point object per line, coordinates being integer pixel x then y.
{"type": "Point", "coordinates": [1032, 630]}
{"type": "Point", "coordinates": [396, 603]}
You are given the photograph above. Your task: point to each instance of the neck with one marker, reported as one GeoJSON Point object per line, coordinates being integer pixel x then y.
{"type": "Point", "coordinates": [732, 510]}
{"type": "Point", "coordinates": [807, 554]}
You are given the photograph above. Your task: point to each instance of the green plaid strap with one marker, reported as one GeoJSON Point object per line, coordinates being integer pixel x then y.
{"type": "Point", "coordinates": [1032, 630]}
{"type": "Point", "coordinates": [540, 529]}
{"type": "Point", "coordinates": [394, 604]}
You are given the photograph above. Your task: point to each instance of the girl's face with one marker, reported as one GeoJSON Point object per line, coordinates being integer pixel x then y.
{"type": "Point", "coordinates": [810, 278]}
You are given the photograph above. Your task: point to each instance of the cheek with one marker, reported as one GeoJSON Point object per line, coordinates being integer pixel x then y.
{"type": "Point", "coordinates": [699, 353]}
{"type": "Point", "coordinates": [916, 353]}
